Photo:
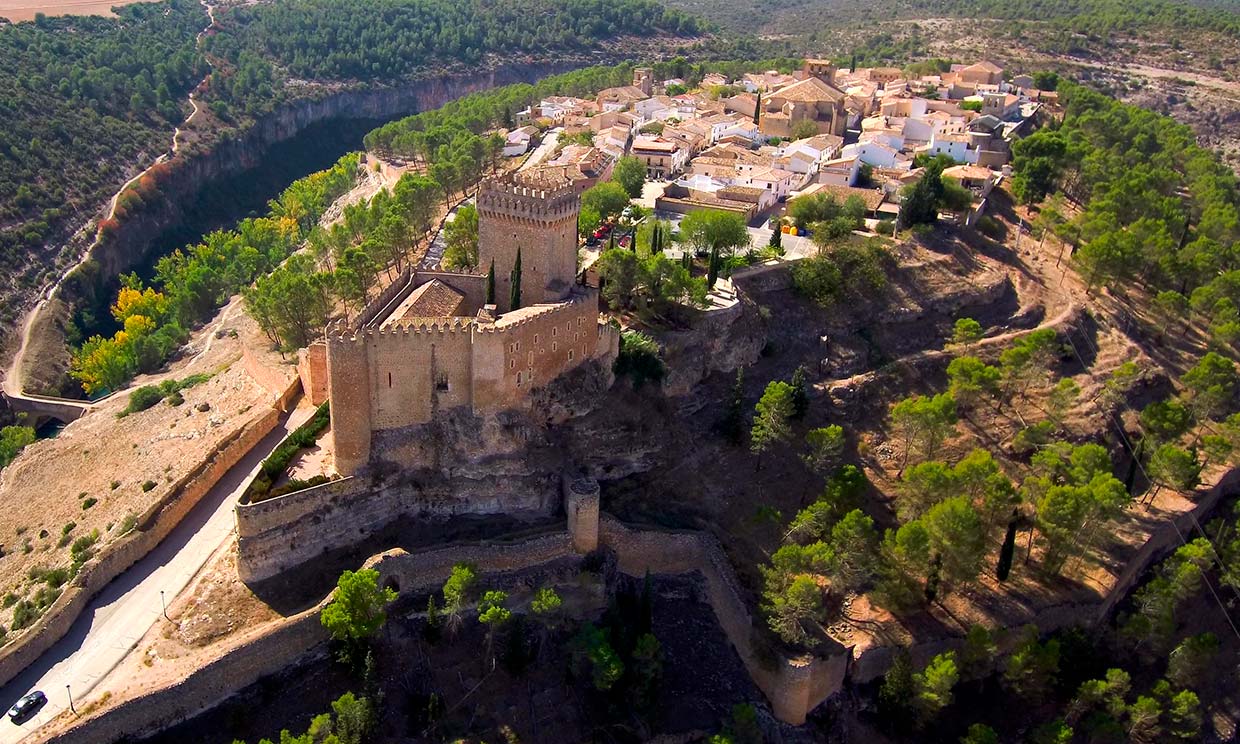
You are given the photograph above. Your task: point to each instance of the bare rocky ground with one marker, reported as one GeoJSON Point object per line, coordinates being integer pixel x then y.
{"type": "Point", "coordinates": [100, 472]}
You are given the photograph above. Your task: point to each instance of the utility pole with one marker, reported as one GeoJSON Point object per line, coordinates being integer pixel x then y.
{"type": "Point", "coordinates": [163, 605]}
{"type": "Point", "coordinates": [69, 692]}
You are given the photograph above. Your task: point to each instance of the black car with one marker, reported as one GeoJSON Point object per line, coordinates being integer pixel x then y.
{"type": "Point", "coordinates": [27, 706]}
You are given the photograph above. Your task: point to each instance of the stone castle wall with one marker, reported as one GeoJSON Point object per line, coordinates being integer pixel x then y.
{"type": "Point", "coordinates": [312, 370]}
{"type": "Point", "coordinates": [269, 652]}
{"type": "Point", "coordinates": [278, 534]}
{"type": "Point", "coordinates": [152, 527]}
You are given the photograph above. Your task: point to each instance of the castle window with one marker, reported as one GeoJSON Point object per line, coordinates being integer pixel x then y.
{"type": "Point", "coordinates": [570, 355]}
{"type": "Point", "coordinates": [389, 379]}
{"type": "Point", "coordinates": [554, 330]}
{"type": "Point", "coordinates": [554, 346]}
{"type": "Point", "coordinates": [518, 379]}
{"type": "Point", "coordinates": [535, 338]}
{"type": "Point", "coordinates": [441, 383]}
{"type": "Point", "coordinates": [512, 364]}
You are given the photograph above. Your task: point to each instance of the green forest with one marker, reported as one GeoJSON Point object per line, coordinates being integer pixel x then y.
{"type": "Point", "coordinates": [396, 39]}
{"type": "Point", "coordinates": [81, 100]}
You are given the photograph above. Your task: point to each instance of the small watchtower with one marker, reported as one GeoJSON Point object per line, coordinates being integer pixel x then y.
{"type": "Point", "coordinates": [538, 218]}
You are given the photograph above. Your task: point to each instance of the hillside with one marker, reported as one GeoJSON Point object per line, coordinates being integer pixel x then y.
{"type": "Point", "coordinates": [90, 102]}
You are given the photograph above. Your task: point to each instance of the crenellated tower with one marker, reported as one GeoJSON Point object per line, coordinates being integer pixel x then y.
{"type": "Point", "coordinates": [538, 218]}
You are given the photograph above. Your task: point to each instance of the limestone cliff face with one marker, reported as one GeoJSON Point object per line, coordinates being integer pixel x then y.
{"type": "Point", "coordinates": [133, 242]}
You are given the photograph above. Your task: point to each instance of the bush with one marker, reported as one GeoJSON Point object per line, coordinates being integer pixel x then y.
{"type": "Point", "coordinates": [24, 615]}
{"type": "Point", "coordinates": [147, 486]}
{"type": "Point", "coordinates": [128, 523]}
{"type": "Point", "coordinates": [278, 461]}
{"type": "Point", "coordinates": [56, 578]}
{"type": "Point", "coordinates": [990, 227]}
{"type": "Point", "coordinates": [639, 359]}
{"type": "Point", "coordinates": [885, 227]}
{"type": "Point", "coordinates": [88, 503]}
{"type": "Point", "coordinates": [142, 399]}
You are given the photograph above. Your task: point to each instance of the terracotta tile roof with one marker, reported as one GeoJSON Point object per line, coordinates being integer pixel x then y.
{"type": "Point", "coordinates": [809, 90]}
{"type": "Point", "coordinates": [431, 300]}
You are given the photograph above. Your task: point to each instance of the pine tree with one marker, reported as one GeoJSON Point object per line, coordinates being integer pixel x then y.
{"type": "Point", "coordinates": [800, 397]}
{"type": "Point", "coordinates": [491, 284]}
{"type": "Point", "coordinates": [514, 296]}
{"type": "Point", "coordinates": [1006, 552]}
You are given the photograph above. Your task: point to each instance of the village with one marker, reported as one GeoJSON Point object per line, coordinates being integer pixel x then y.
{"type": "Point", "coordinates": [749, 145]}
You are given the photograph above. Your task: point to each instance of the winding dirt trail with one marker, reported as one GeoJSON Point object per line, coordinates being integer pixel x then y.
{"type": "Point", "coordinates": [14, 383]}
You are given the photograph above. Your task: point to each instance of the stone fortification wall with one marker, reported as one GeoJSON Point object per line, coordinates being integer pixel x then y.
{"type": "Point", "coordinates": [417, 370]}
{"type": "Point", "coordinates": [278, 534]}
{"type": "Point", "coordinates": [152, 527]}
{"type": "Point", "coordinates": [793, 686]}
{"type": "Point", "coordinates": [270, 652]}
{"type": "Point", "coordinates": [530, 348]}
{"type": "Point", "coordinates": [282, 384]}
{"type": "Point", "coordinates": [312, 369]}
{"type": "Point", "coordinates": [411, 573]}
{"type": "Point", "coordinates": [382, 305]}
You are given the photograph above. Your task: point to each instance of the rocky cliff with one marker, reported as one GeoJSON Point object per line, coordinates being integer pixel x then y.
{"type": "Point", "coordinates": [131, 245]}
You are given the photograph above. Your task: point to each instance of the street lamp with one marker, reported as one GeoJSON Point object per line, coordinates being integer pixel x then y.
{"type": "Point", "coordinates": [69, 692]}
{"type": "Point", "coordinates": [163, 604]}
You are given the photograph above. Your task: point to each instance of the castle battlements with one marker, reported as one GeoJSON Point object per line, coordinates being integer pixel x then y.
{"type": "Point", "coordinates": [432, 341]}
{"type": "Point", "coordinates": [533, 202]}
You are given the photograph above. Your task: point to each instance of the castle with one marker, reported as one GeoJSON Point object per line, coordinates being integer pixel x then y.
{"type": "Point", "coordinates": [432, 342]}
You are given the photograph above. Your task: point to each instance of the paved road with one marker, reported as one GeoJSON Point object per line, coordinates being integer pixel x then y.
{"type": "Point", "coordinates": [112, 624]}
{"type": "Point", "coordinates": [544, 150]}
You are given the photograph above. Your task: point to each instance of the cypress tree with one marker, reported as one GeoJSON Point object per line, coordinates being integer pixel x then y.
{"type": "Point", "coordinates": [777, 237]}
{"type": "Point", "coordinates": [852, 67]}
{"type": "Point", "coordinates": [514, 295]}
{"type": "Point", "coordinates": [800, 397]}
{"type": "Point", "coordinates": [712, 270]}
{"type": "Point", "coordinates": [1007, 552]}
{"type": "Point", "coordinates": [491, 284]}
{"type": "Point", "coordinates": [686, 260]}
{"type": "Point", "coordinates": [757, 110]}
{"type": "Point", "coordinates": [934, 578]}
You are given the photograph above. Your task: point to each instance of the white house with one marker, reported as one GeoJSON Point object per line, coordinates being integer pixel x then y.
{"type": "Point", "coordinates": [839, 172]}
{"type": "Point", "coordinates": [955, 146]}
{"type": "Point", "coordinates": [875, 154]}
{"type": "Point", "coordinates": [518, 141]}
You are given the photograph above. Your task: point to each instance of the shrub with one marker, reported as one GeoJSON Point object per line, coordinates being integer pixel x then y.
{"type": "Point", "coordinates": [10, 599]}
{"type": "Point", "coordinates": [116, 485]}
{"type": "Point", "coordinates": [885, 227]}
{"type": "Point", "coordinates": [303, 438]}
{"type": "Point", "coordinates": [639, 359]}
{"type": "Point", "coordinates": [70, 527]}
{"type": "Point", "coordinates": [147, 485]}
{"type": "Point", "coordinates": [990, 227]}
{"type": "Point", "coordinates": [128, 523]}
{"type": "Point", "coordinates": [142, 399]}
{"type": "Point", "coordinates": [56, 578]}
{"type": "Point", "coordinates": [88, 503]}
{"type": "Point", "coordinates": [175, 399]}
{"type": "Point", "coordinates": [24, 614]}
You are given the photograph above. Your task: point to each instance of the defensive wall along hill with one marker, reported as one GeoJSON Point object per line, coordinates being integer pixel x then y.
{"type": "Point", "coordinates": [275, 388]}
{"type": "Point", "coordinates": [793, 685]}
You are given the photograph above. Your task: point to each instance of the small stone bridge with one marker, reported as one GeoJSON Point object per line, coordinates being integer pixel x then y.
{"type": "Point", "coordinates": [39, 407]}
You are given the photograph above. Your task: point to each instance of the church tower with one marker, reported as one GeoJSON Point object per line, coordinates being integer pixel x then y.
{"type": "Point", "coordinates": [537, 218]}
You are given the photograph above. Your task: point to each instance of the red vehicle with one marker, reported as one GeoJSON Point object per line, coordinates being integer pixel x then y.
{"type": "Point", "coordinates": [602, 232]}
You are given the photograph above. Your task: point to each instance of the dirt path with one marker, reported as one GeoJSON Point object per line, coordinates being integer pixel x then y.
{"type": "Point", "coordinates": [1054, 289]}
{"type": "Point", "coordinates": [14, 382]}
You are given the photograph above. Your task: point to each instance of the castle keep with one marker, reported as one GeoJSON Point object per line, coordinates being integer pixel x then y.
{"type": "Point", "coordinates": [431, 342]}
